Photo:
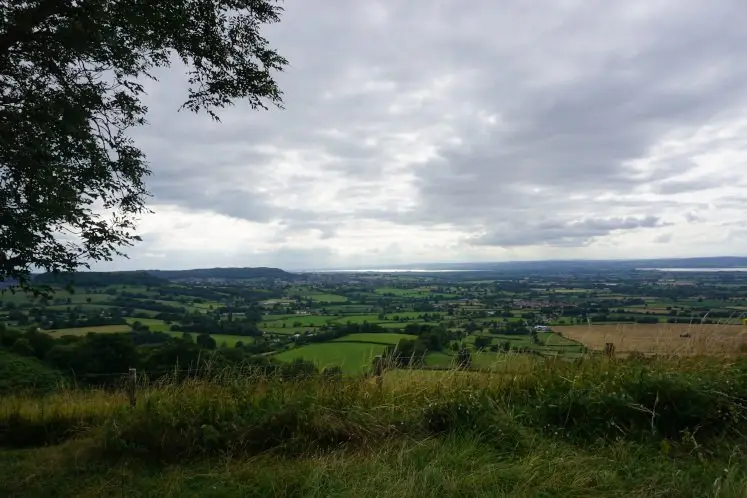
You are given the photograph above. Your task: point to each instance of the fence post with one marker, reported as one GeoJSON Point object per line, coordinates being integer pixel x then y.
{"type": "Point", "coordinates": [378, 369]}
{"type": "Point", "coordinates": [609, 349]}
{"type": "Point", "coordinates": [131, 387]}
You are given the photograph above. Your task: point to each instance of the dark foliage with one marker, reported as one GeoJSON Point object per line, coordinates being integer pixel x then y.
{"type": "Point", "coordinates": [72, 77]}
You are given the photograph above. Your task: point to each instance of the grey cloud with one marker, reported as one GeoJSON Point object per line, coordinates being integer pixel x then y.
{"type": "Point", "coordinates": [692, 217]}
{"type": "Point", "coordinates": [579, 136]}
{"type": "Point", "coordinates": [664, 238]}
{"type": "Point", "coordinates": [563, 233]}
{"type": "Point", "coordinates": [580, 90]}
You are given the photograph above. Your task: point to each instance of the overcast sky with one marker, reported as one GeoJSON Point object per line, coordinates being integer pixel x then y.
{"type": "Point", "coordinates": [445, 130]}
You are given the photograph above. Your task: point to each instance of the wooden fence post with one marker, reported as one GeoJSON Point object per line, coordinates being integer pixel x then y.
{"type": "Point", "coordinates": [609, 349]}
{"type": "Point", "coordinates": [132, 386]}
{"type": "Point", "coordinates": [378, 369]}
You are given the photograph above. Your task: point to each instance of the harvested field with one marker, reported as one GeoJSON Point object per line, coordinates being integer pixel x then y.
{"type": "Point", "coordinates": [661, 337]}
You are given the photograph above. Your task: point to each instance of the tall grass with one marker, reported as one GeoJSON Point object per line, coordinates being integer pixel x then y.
{"type": "Point", "coordinates": [243, 412]}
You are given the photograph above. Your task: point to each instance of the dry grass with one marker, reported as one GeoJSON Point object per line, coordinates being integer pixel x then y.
{"type": "Point", "coordinates": [662, 338]}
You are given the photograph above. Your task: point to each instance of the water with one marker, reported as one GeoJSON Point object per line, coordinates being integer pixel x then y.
{"type": "Point", "coordinates": [388, 270]}
{"type": "Point", "coordinates": [693, 270]}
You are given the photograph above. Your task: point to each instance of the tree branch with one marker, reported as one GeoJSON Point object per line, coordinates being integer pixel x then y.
{"type": "Point", "coordinates": [23, 28]}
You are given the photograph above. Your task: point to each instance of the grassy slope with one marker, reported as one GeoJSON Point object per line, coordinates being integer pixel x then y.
{"type": "Point", "coordinates": [533, 432]}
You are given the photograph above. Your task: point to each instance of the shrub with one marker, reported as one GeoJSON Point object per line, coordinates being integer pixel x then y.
{"type": "Point", "coordinates": [634, 400]}
{"type": "Point", "coordinates": [20, 373]}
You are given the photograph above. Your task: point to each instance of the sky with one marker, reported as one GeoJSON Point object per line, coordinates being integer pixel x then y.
{"type": "Point", "coordinates": [452, 131]}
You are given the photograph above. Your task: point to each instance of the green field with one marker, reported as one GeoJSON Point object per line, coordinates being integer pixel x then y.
{"type": "Point", "coordinates": [402, 292]}
{"type": "Point", "coordinates": [289, 330]}
{"type": "Point", "coordinates": [413, 293]}
{"type": "Point", "coordinates": [304, 320]}
{"type": "Point", "coordinates": [550, 339]}
{"type": "Point", "coordinates": [84, 307]}
{"type": "Point", "coordinates": [274, 318]}
{"type": "Point", "coordinates": [378, 338]}
{"type": "Point", "coordinates": [357, 319]}
{"type": "Point", "coordinates": [229, 340]}
{"type": "Point", "coordinates": [439, 359]}
{"type": "Point", "coordinates": [350, 308]}
{"type": "Point", "coordinates": [401, 325]}
{"type": "Point", "coordinates": [101, 329]}
{"type": "Point", "coordinates": [351, 357]}
{"type": "Point", "coordinates": [153, 324]}
{"type": "Point", "coordinates": [326, 298]}
{"type": "Point", "coordinates": [413, 315]}
{"type": "Point", "coordinates": [207, 305]}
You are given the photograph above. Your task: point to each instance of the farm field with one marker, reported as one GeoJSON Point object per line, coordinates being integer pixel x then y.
{"type": "Point", "coordinates": [551, 339]}
{"type": "Point", "coordinates": [101, 329]}
{"type": "Point", "coordinates": [352, 357]}
{"type": "Point", "coordinates": [153, 324]}
{"type": "Point", "coordinates": [439, 359]}
{"type": "Point", "coordinates": [375, 338]}
{"type": "Point", "coordinates": [357, 319]}
{"type": "Point", "coordinates": [288, 330]}
{"type": "Point", "coordinates": [661, 338]}
{"type": "Point", "coordinates": [401, 325]}
{"type": "Point", "coordinates": [350, 308]}
{"type": "Point", "coordinates": [304, 320]}
{"type": "Point", "coordinates": [326, 298]}
{"type": "Point", "coordinates": [231, 340]}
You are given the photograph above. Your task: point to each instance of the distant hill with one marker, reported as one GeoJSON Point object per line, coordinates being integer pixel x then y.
{"type": "Point", "coordinates": [225, 274]}
{"type": "Point", "coordinates": [100, 279]}
{"type": "Point", "coordinates": [155, 278]}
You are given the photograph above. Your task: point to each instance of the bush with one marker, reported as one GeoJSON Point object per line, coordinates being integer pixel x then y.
{"type": "Point", "coordinates": [474, 414]}
{"type": "Point", "coordinates": [206, 419]}
{"type": "Point", "coordinates": [22, 347]}
{"type": "Point", "coordinates": [634, 400]}
{"type": "Point", "coordinates": [20, 373]}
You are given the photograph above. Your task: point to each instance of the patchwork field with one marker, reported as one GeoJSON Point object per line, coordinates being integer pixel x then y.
{"type": "Point", "coordinates": [661, 338]}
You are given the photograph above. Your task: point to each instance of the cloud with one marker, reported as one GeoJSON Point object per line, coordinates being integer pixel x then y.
{"type": "Point", "coordinates": [425, 130]}
{"type": "Point", "coordinates": [564, 233]}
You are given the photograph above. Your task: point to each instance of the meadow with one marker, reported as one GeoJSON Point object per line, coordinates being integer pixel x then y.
{"type": "Point", "coordinates": [352, 357]}
{"type": "Point", "coordinates": [101, 329]}
{"type": "Point", "coordinates": [221, 340]}
{"type": "Point", "coordinates": [375, 338]}
{"type": "Point", "coordinates": [153, 324]}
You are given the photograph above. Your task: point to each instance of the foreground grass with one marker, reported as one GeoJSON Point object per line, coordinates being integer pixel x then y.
{"type": "Point", "coordinates": [448, 466]}
{"type": "Point", "coordinates": [663, 427]}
